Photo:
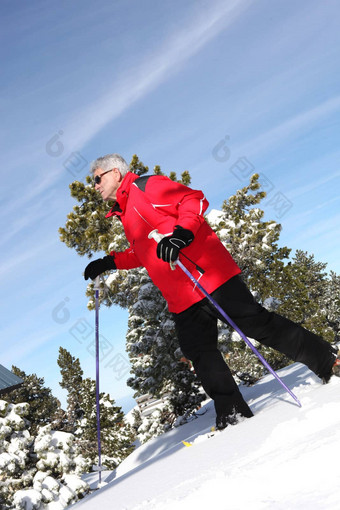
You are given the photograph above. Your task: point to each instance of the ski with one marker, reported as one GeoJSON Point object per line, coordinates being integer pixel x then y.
{"type": "Point", "coordinates": [206, 433]}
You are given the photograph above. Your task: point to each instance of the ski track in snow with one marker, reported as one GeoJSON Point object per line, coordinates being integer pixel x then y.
{"type": "Point", "coordinates": [282, 458]}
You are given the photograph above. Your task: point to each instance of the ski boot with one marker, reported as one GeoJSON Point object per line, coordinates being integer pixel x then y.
{"type": "Point", "coordinates": [334, 371]}
{"type": "Point", "coordinates": [223, 420]}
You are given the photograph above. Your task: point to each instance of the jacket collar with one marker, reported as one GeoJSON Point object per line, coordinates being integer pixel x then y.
{"type": "Point", "coordinates": [122, 195]}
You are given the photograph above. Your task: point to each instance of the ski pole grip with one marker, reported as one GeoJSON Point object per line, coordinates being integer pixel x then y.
{"type": "Point", "coordinates": [156, 236]}
{"type": "Point", "coordinates": [96, 283]}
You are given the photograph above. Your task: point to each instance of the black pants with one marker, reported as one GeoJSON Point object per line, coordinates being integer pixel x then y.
{"type": "Point", "coordinates": [197, 333]}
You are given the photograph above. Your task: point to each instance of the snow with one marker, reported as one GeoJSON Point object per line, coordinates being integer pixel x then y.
{"type": "Point", "coordinates": [214, 216]}
{"type": "Point", "coordinates": [282, 458]}
{"type": "Point", "coordinates": [28, 499]}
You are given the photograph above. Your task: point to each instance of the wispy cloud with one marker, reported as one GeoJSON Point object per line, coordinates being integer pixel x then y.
{"type": "Point", "coordinates": [290, 127]}
{"type": "Point", "coordinates": [39, 323]}
{"type": "Point", "coordinates": [84, 122]}
{"type": "Point", "coordinates": [22, 257]}
{"type": "Point", "coordinates": [314, 184]}
{"type": "Point", "coordinates": [155, 68]}
{"type": "Point", "coordinates": [16, 352]}
{"type": "Point", "coordinates": [321, 231]}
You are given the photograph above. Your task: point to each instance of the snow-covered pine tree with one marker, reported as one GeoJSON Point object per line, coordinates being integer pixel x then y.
{"type": "Point", "coordinates": [43, 408]}
{"type": "Point", "coordinates": [16, 467]}
{"type": "Point", "coordinates": [253, 243]}
{"type": "Point", "coordinates": [296, 290]}
{"type": "Point", "coordinates": [155, 357]}
{"type": "Point", "coordinates": [56, 483]}
{"type": "Point", "coordinates": [39, 473]}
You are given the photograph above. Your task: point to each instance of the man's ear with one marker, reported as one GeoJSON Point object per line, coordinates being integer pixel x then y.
{"type": "Point", "coordinates": [120, 175]}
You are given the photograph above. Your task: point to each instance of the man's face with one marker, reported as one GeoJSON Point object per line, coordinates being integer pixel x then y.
{"type": "Point", "coordinates": [109, 183]}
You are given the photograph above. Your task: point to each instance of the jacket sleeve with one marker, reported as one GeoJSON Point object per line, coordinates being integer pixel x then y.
{"type": "Point", "coordinates": [126, 259]}
{"type": "Point", "coordinates": [187, 204]}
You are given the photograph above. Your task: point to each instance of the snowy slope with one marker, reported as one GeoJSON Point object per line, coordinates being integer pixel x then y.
{"type": "Point", "coordinates": [282, 458]}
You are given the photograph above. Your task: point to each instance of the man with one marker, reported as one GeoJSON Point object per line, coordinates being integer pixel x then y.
{"type": "Point", "coordinates": [176, 211]}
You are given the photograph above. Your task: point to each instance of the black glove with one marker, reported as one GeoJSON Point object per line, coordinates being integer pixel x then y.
{"type": "Point", "coordinates": [99, 266]}
{"type": "Point", "coordinates": [168, 248]}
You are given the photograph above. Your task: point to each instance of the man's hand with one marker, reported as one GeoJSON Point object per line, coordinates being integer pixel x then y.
{"type": "Point", "coordinates": [99, 266]}
{"type": "Point", "coordinates": [169, 247]}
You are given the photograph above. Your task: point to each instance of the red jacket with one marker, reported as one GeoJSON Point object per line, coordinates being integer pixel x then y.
{"type": "Point", "coordinates": [156, 202]}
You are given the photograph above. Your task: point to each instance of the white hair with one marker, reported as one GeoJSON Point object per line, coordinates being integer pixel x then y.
{"type": "Point", "coordinates": [110, 161]}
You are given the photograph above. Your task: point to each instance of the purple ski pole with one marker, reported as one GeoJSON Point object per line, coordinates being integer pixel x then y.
{"type": "Point", "coordinates": [96, 288]}
{"type": "Point", "coordinates": [158, 237]}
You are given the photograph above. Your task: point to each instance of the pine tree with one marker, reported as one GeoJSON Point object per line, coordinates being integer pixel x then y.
{"type": "Point", "coordinates": [253, 243]}
{"type": "Point", "coordinates": [330, 304]}
{"type": "Point", "coordinates": [16, 467]}
{"type": "Point", "coordinates": [44, 408]}
{"type": "Point", "coordinates": [301, 293]}
{"type": "Point", "coordinates": [298, 290]}
{"type": "Point", "coordinates": [116, 435]}
{"type": "Point", "coordinates": [72, 376]}
{"type": "Point", "coordinates": [137, 167]}
{"type": "Point", "coordinates": [37, 471]}
{"type": "Point", "coordinates": [155, 356]}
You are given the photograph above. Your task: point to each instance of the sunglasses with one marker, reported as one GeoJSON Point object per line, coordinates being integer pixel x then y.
{"type": "Point", "coordinates": [98, 178]}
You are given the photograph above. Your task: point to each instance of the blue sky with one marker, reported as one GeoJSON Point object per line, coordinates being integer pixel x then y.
{"type": "Point", "coordinates": [219, 88]}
